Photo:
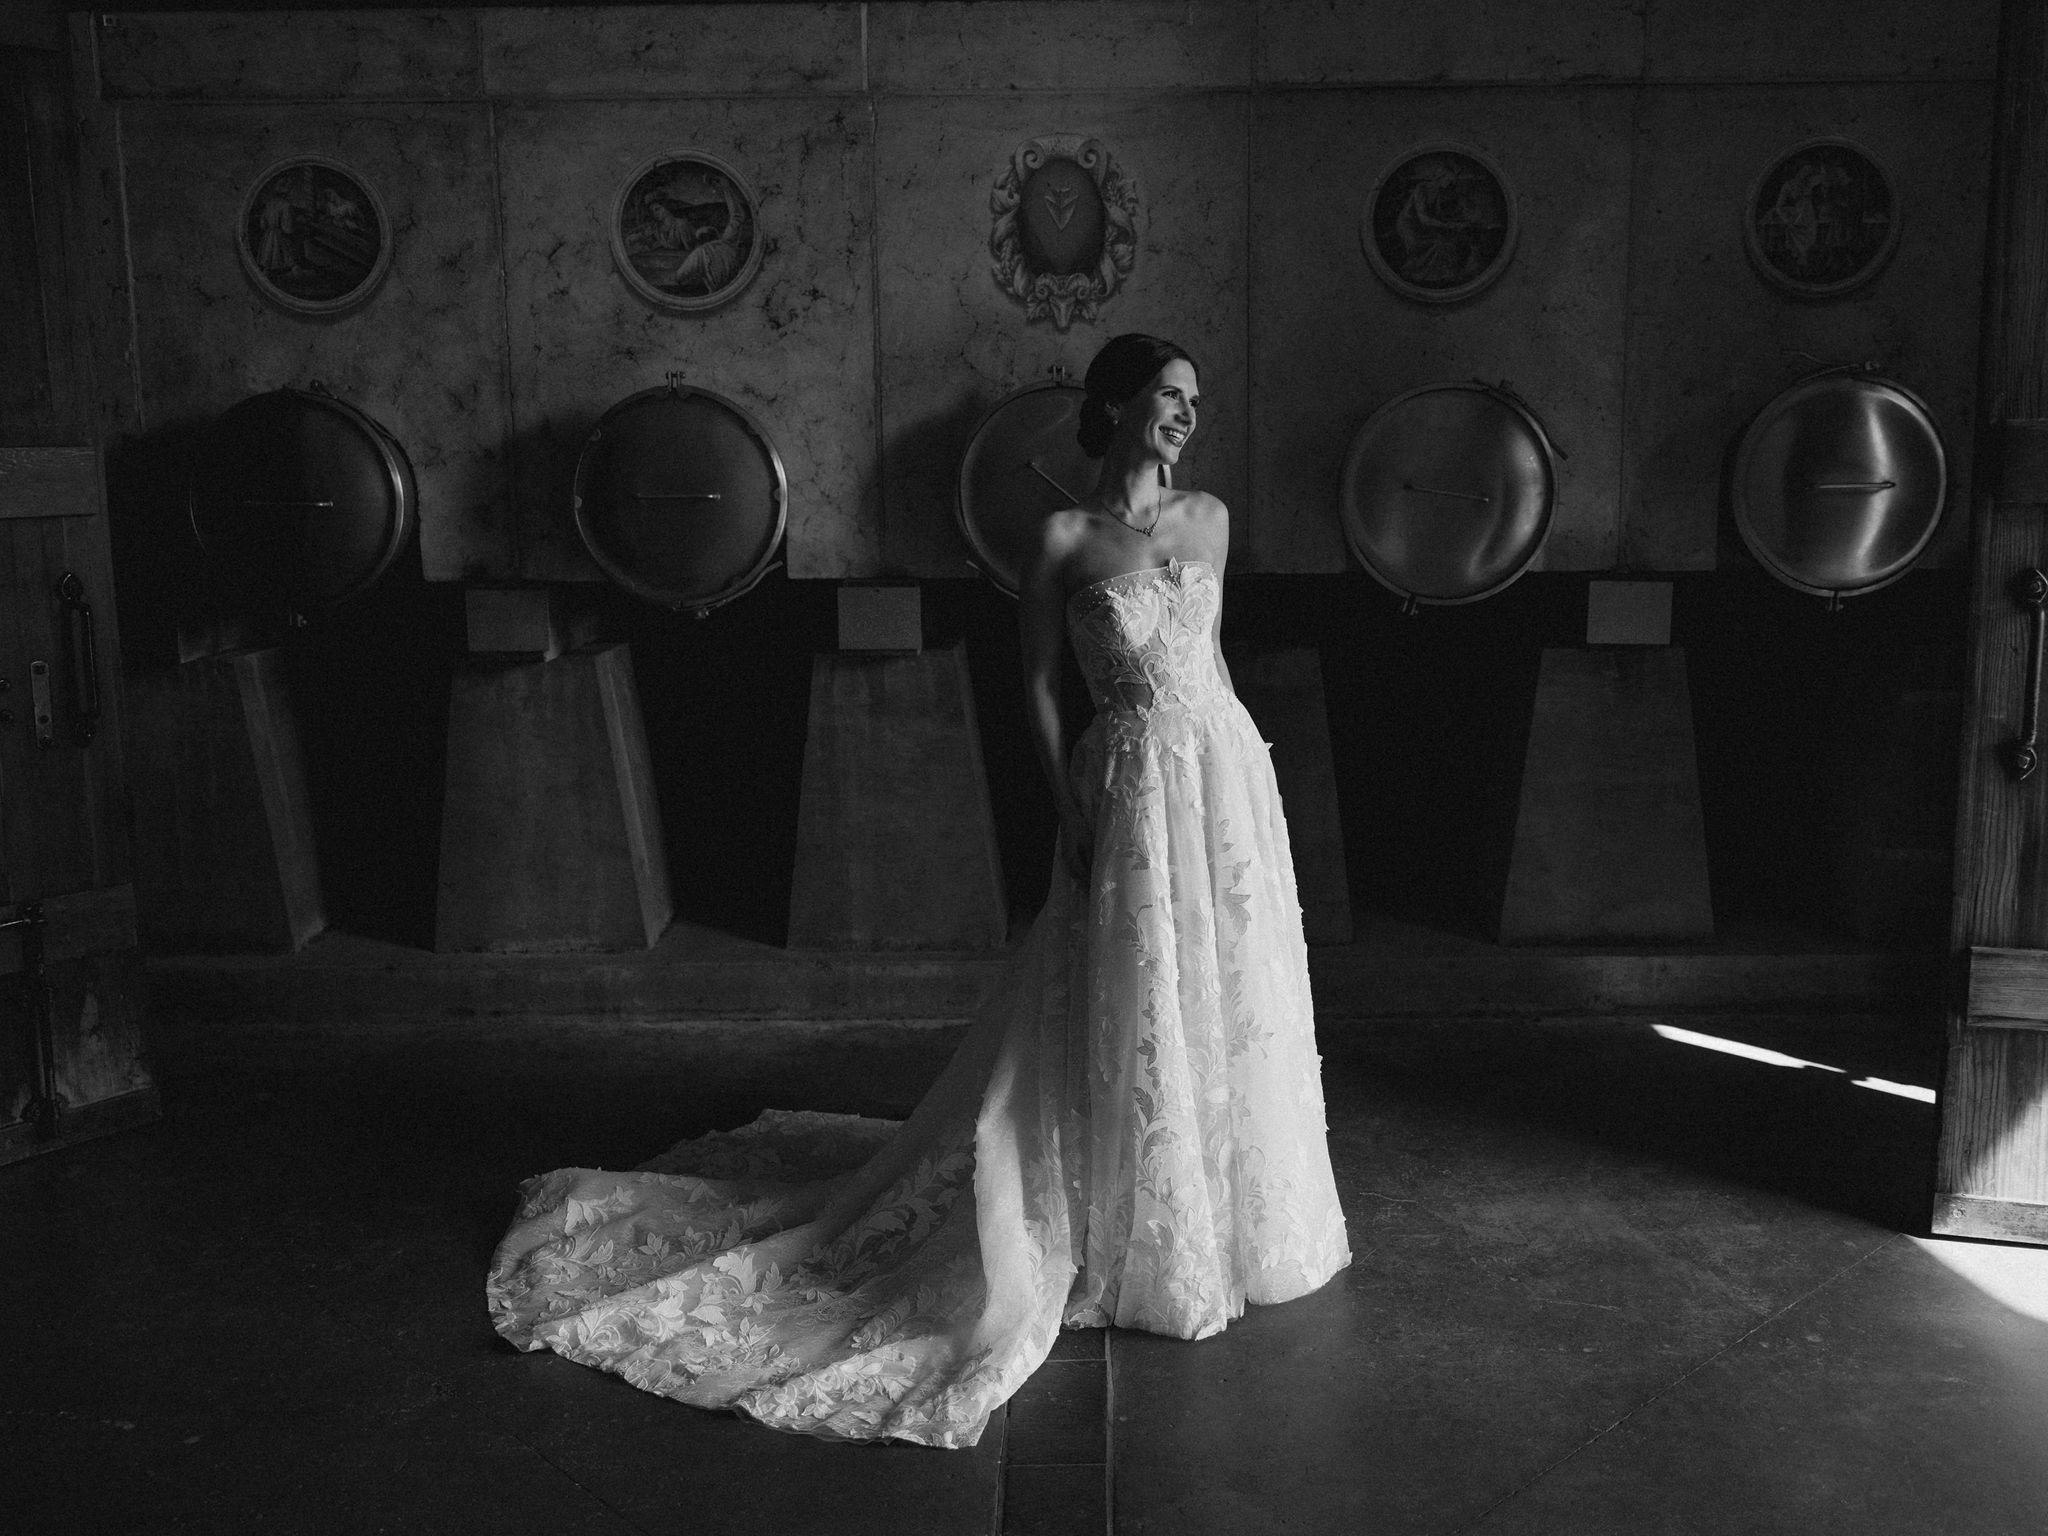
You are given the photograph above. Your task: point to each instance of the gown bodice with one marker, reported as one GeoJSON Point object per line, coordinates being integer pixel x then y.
{"type": "Point", "coordinates": [1143, 638]}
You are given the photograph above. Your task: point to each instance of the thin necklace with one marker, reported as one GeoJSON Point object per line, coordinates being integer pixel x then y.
{"type": "Point", "coordinates": [1147, 529]}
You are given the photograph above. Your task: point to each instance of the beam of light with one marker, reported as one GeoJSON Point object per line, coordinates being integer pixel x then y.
{"type": "Point", "coordinates": [2013, 1276]}
{"type": "Point", "coordinates": [1737, 1048]}
{"type": "Point", "coordinates": [1903, 1090]}
{"type": "Point", "coordinates": [1771, 1058]}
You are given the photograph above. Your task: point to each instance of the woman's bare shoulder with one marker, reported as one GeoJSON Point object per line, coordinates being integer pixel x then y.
{"type": "Point", "coordinates": [1059, 536]}
{"type": "Point", "coordinates": [1209, 521]}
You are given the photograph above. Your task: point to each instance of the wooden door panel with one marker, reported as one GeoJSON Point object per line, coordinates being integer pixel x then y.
{"type": "Point", "coordinates": [71, 1056]}
{"type": "Point", "coordinates": [1992, 1165]}
{"type": "Point", "coordinates": [1993, 1162]}
{"type": "Point", "coordinates": [102, 1076]}
{"type": "Point", "coordinates": [62, 822]}
{"type": "Point", "coordinates": [1994, 1145]}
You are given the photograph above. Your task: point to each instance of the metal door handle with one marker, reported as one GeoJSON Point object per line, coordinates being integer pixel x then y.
{"type": "Point", "coordinates": [1437, 490]}
{"type": "Point", "coordinates": [85, 658]}
{"type": "Point", "coordinates": [2030, 591]}
{"type": "Point", "coordinates": [1071, 499]}
{"type": "Point", "coordinates": [264, 501]}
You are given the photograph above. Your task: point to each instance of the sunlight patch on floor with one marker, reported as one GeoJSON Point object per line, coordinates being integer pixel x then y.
{"type": "Point", "coordinates": [1771, 1058]}
{"type": "Point", "coordinates": [1903, 1090]}
{"type": "Point", "coordinates": [1737, 1048]}
{"type": "Point", "coordinates": [2015, 1276]}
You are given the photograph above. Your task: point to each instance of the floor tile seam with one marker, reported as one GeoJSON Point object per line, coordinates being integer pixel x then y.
{"type": "Point", "coordinates": [440, 1377]}
{"type": "Point", "coordinates": [1108, 1433]}
{"type": "Point", "coordinates": [999, 1496]}
{"type": "Point", "coordinates": [571, 1478]}
{"type": "Point", "coordinates": [1029, 1461]}
{"type": "Point", "coordinates": [455, 1370]}
{"type": "Point", "coordinates": [1674, 1384]}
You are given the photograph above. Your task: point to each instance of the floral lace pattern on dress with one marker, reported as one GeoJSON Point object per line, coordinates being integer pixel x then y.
{"type": "Point", "coordinates": [1132, 1132]}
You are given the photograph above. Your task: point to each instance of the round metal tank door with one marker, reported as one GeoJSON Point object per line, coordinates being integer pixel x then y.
{"type": "Point", "coordinates": [300, 499]}
{"type": "Point", "coordinates": [1839, 484]}
{"type": "Point", "coordinates": [1022, 464]}
{"type": "Point", "coordinates": [680, 497]}
{"type": "Point", "coordinates": [1447, 492]}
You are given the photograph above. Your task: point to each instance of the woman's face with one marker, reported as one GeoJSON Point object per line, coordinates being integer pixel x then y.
{"type": "Point", "coordinates": [1161, 416]}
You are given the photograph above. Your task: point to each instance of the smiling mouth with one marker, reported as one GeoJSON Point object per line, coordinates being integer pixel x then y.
{"type": "Point", "coordinates": [1174, 436]}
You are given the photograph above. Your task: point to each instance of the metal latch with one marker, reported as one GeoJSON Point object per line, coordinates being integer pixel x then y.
{"type": "Point", "coordinates": [39, 700]}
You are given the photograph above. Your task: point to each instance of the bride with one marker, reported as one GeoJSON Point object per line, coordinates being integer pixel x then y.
{"type": "Point", "coordinates": [1131, 1133]}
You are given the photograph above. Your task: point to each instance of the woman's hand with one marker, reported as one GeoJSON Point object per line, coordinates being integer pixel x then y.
{"type": "Point", "coordinates": [1077, 843]}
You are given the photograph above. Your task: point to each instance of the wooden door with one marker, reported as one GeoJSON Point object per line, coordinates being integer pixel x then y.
{"type": "Point", "coordinates": [1992, 1166]}
{"type": "Point", "coordinates": [61, 817]}
{"type": "Point", "coordinates": [71, 1056]}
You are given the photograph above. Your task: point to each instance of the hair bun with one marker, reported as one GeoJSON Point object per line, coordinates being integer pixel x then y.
{"type": "Point", "coordinates": [1096, 428]}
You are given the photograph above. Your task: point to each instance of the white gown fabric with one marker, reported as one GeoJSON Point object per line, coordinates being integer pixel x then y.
{"type": "Point", "coordinates": [1131, 1133]}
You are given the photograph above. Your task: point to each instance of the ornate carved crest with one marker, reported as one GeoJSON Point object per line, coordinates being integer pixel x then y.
{"type": "Point", "coordinates": [1066, 232]}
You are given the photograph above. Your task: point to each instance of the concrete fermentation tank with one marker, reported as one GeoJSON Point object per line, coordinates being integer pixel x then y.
{"type": "Point", "coordinates": [1447, 498]}
{"type": "Point", "coordinates": [301, 504]}
{"type": "Point", "coordinates": [1839, 486]}
{"type": "Point", "coordinates": [552, 830]}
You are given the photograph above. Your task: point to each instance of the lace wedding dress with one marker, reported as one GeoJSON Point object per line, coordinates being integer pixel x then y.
{"type": "Point", "coordinates": [1132, 1132]}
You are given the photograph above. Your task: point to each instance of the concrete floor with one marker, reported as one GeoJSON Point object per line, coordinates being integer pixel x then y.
{"type": "Point", "coordinates": [1608, 1281]}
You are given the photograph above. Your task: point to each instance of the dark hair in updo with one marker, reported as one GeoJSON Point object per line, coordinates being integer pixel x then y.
{"type": "Point", "coordinates": [1125, 365]}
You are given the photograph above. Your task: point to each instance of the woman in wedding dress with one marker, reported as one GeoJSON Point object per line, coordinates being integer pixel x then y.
{"type": "Point", "coordinates": [1131, 1133]}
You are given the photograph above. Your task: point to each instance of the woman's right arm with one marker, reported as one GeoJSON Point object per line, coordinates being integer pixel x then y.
{"type": "Point", "coordinates": [1041, 625]}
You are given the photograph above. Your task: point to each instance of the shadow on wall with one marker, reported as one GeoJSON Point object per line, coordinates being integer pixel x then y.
{"type": "Point", "coordinates": [726, 699]}
{"type": "Point", "coordinates": [1828, 749]}
{"type": "Point", "coordinates": [1429, 719]}
{"type": "Point", "coordinates": [368, 682]}
{"type": "Point", "coordinates": [370, 686]}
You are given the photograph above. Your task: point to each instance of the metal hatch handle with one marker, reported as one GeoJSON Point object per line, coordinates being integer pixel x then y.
{"type": "Point", "coordinates": [85, 660]}
{"type": "Point", "coordinates": [1437, 490]}
{"type": "Point", "coordinates": [1072, 499]}
{"type": "Point", "coordinates": [264, 501]}
{"type": "Point", "coordinates": [39, 702]}
{"type": "Point", "coordinates": [1852, 485]}
{"type": "Point", "coordinates": [2030, 591]}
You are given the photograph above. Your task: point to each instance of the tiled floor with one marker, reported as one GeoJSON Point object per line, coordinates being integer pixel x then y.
{"type": "Point", "coordinates": [1608, 1280]}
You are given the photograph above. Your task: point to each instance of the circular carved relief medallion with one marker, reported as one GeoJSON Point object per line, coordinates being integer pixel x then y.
{"type": "Point", "coordinates": [1822, 220]}
{"type": "Point", "coordinates": [686, 231]}
{"type": "Point", "coordinates": [1440, 224]}
{"type": "Point", "coordinates": [313, 236]}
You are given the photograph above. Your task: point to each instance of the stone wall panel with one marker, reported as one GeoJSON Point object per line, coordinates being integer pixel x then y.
{"type": "Point", "coordinates": [423, 355]}
{"type": "Point", "coordinates": [795, 347]}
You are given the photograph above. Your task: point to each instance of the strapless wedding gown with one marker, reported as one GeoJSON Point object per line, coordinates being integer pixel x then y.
{"type": "Point", "coordinates": [1131, 1133]}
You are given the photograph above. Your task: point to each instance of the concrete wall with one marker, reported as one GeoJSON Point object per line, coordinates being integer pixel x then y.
{"type": "Point", "coordinates": [874, 334]}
